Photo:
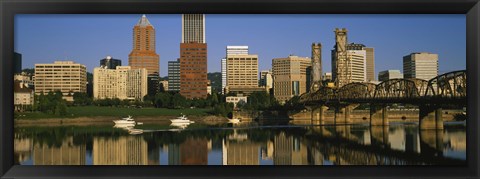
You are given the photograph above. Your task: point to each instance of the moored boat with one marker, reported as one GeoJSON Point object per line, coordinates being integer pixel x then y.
{"type": "Point", "coordinates": [127, 120]}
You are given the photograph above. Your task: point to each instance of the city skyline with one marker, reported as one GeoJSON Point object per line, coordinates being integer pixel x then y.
{"type": "Point", "coordinates": [41, 41]}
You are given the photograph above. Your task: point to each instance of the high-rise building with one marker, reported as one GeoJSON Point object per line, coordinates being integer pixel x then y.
{"type": "Point", "coordinates": [389, 74]}
{"type": "Point", "coordinates": [110, 62]}
{"type": "Point", "coordinates": [122, 83]}
{"type": "Point", "coordinates": [193, 57]}
{"type": "Point", "coordinates": [143, 54]}
{"type": "Point", "coordinates": [355, 65]}
{"type": "Point", "coordinates": [266, 79]}
{"type": "Point", "coordinates": [237, 50]}
{"type": "Point", "coordinates": [370, 51]}
{"type": "Point", "coordinates": [193, 28]}
{"type": "Point", "coordinates": [242, 71]}
{"type": "Point", "coordinates": [17, 63]}
{"type": "Point", "coordinates": [358, 62]}
{"type": "Point", "coordinates": [67, 77]}
{"type": "Point", "coordinates": [174, 75]}
{"type": "Point", "coordinates": [316, 72]}
{"type": "Point", "coordinates": [340, 63]}
{"type": "Point", "coordinates": [153, 84]}
{"type": "Point", "coordinates": [290, 77]}
{"type": "Point", "coordinates": [224, 74]}
{"type": "Point", "coordinates": [193, 70]}
{"type": "Point", "coordinates": [422, 65]}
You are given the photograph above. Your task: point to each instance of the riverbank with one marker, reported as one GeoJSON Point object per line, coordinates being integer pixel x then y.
{"type": "Point", "coordinates": [95, 111]}
{"type": "Point", "coordinates": [108, 120]}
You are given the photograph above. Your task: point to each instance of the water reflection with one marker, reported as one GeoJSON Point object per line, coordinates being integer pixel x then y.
{"type": "Point", "coordinates": [242, 145]}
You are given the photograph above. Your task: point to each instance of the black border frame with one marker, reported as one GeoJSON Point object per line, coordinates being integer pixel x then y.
{"type": "Point", "coordinates": [8, 8]}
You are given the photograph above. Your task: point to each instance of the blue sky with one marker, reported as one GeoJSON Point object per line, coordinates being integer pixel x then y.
{"type": "Point", "coordinates": [88, 38]}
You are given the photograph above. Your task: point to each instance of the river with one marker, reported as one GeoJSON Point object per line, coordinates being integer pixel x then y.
{"type": "Point", "coordinates": [241, 144]}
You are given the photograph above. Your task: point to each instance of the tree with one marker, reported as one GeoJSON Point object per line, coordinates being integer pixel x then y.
{"type": "Point", "coordinates": [162, 100]}
{"type": "Point", "coordinates": [178, 101]}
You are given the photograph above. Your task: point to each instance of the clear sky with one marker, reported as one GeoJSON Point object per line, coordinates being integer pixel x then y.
{"type": "Point", "coordinates": [88, 38]}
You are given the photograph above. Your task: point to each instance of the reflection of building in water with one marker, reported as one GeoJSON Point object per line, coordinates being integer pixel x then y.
{"type": "Point", "coordinates": [289, 151]}
{"type": "Point", "coordinates": [241, 152]}
{"type": "Point", "coordinates": [22, 149]}
{"type": "Point", "coordinates": [457, 140]}
{"type": "Point", "coordinates": [173, 154]}
{"type": "Point", "coordinates": [315, 157]}
{"type": "Point", "coordinates": [194, 152]}
{"type": "Point", "coordinates": [126, 150]}
{"type": "Point", "coordinates": [66, 154]}
{"type": "Point", "coordinates": [412, 142]}
{"type": "Point", "coordinates": [396, 138]}
{"type": "Point", "coordinates": [153, 155]}
{"type": "Point", "coordinates": [267, 153]}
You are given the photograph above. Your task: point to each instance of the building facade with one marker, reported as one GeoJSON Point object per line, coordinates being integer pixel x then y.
{"type": "Point", "coordinates": [346, 61]}
{"type": "Point", "coordinates": [193, 28]}
{"type": "Point", "coordinates": [422, 65]}
{"type": "Point", "coordinates": [174, 75]}
{"type": "Point", "coordinates": [290, 77]}
{"type": "Point", "coordinates": [23, 96]}
{"type": "Point", "coordinates": [389, 74]}
{"type": "Point", "coordinates": [110, 62]}
{"type": "Point", "coordinates": [67, 77]}
{"type": "Point", "coordinates": [242, 74]}
{"type": "Point", "coordinates": [164, 85]}
{"type": "Point", "coordinates": [266, 79]}
{"type": "Point", "coordinates": [358, 66]}
{"type": "Point", "coordinates": [193, 70]}
{"type": "Point", "coordinates": [316, 72]}
{"type": "Point", "coordinates": [236, 99]}
{"type": "Point", "coordinates": [122, 83]}
{"type": "Point", "coordinates": [224, 74]}
{"type": "Point", "coordinates": [143, 54]}
{"type": "Point", "coordinates": [370, 61]}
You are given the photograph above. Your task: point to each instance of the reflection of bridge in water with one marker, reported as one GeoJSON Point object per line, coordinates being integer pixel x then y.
{"type": "Point", "coordinates": [342, 147]}
{"type": "Point", "coordinates": [446, 90]}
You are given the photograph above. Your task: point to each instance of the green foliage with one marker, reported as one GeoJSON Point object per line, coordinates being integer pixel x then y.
{"type": "Point", "coordinates": [52, 103]}
{"type": "Point", "coordinates": [260, 101]}
{"type": "Point", "coordinates": [81, 99]}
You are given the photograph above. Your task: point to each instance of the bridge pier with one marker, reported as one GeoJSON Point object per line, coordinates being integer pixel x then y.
{"type": "Point", "coordinates": [318, 115]}
{"type": "Point", "coordinates": [431, 117]}
{"type": "Point", "coordinates": [378, 115]}
{"type": "Point", "coordinates": [342, 114]}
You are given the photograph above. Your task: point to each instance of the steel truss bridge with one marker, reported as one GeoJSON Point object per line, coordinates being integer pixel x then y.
{"type": "Point", "coordinates": [443, 90]}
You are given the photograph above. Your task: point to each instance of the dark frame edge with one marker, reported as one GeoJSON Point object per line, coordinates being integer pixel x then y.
{"type": "Point", "coordinates": [6, 96]}
{"type": "Point", "coordinates": [6, 93]}
{"type": "Point", "coordinates": [473, 72]}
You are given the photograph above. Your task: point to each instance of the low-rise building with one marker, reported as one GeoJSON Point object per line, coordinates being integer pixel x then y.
{"type": "Point", "coordinates": [236, 99]}
{"type": "Point", "coordinates": [23, 96]}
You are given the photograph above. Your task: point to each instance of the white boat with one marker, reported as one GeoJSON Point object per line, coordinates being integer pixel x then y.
{"type": "Point", "coordinates": [236, 120]}
{"type": "Point", "coordinates": [127, 120]}
{"type": "Point", "coordinates": [180, 125]}
{"type": "Point", "coordinates": [124, 126]}
{"type": "Point", "coordinates": [181, 119]}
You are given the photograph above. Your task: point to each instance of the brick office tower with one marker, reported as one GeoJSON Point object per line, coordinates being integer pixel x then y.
{"type": "Point", "coordinates": [143, 54]}
{"type": "Point", "coordinates": [193, 70]}
{"type": "Point", "coordinates": [193, 57]}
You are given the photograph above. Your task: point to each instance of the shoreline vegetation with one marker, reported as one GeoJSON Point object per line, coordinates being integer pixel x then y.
{"type": "Point", "coordinates": [103, 115]}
